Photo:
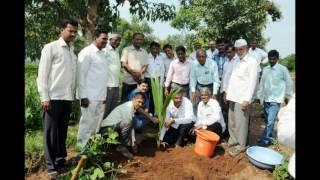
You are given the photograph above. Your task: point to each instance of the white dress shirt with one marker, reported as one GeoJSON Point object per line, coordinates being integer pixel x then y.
{"type": "Point", "coordinates": [114, 66]}
{"type": "Point", "coordinates": [210, 54]}
{"type": "Point", "coordinates": [243, 80]}
{"type": "Point", "coordinates": [155, 68]}
{"type": "Point", "coordinates": [227, 70]}
{"type": "Point", "coordinates": [92, 74]}
{"type": "Point", "coordinates": [209, 114]}
{"type": "Point", "coordinates": [193, 56]}
{"type": "Point", "coordinates": [57, 72]}
{"type": "Point", "coordinates": [259, 55]}
{"type": "Point", "coordinates": [182, 115]}
{"type": "Point", "coordinates": [166, 62]}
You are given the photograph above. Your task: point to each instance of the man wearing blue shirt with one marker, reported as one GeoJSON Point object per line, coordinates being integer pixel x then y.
{"type": "Point", "coordinates": [275, 86]}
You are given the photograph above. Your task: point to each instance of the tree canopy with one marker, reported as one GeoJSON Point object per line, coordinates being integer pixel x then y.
{"type": "Point", "coordinates": [230, 19]}
{"type": "Point", "coordinates": [43, 16]}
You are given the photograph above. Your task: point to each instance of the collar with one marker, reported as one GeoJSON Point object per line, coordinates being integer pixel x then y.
{"type": "Point", "coordinates": [62, 42]}
{"type": "Point", "coordinates": [94, 48]}
{"type": "Point", "coordinates": [133, 48]}
{"type": "Point", "coordinates": [273, 67]}
{"type": "Point", "coordinates": [109, 47]}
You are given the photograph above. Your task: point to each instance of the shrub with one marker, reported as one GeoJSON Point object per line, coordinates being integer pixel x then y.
{"type": "Point", "coordinates": [32, 100]}
{"type": "Point", "coordinates": [289, 62]}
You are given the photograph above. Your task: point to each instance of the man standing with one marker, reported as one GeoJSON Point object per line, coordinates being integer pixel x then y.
{"type": "Point", "coordinates": [155, 69]}
{"type": "Point", "coordinates": [56, 86]}
{"type": "Point", "coordinates": [193, 55]}
{"type": "Point", "coordinates": [114, 67]}
{"type": "Point", "coordinates": [212, 49]}
{"type": "Point", "coordinates": [179, 73]}
{"type": "Point", "coordinates": [227, 70]}
{"type": "Point", "coordinates": [92, 86]}
{"type": "Point", "coordinates": [239, 94]}
{"type": "Point", "coordinates": [204, 73]}
{"type": "Point", "coordinates": [168, 58]}
{"type": "Point", "coordinates": [134, 61]}
{"type": "Point", "coordinates": [258, 54]}
{"type": "Point", "coordinates": [275, 86]}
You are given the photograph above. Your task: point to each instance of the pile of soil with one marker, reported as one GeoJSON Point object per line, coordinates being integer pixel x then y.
{"type": "Point", "coordinates": [184, 163]}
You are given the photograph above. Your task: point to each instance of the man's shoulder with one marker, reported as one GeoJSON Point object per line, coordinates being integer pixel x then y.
{"type": "Point", "coordinates": [54, 43]}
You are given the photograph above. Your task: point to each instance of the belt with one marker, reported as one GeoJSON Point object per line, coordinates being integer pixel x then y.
{"type": "Point", "coordinates": [183, 85]}
{"type": "Point", "coordinates": [204, 85]}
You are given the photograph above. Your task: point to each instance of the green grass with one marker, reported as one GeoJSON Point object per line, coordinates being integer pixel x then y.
{"type": "Point", "coordinates": [34, 152]}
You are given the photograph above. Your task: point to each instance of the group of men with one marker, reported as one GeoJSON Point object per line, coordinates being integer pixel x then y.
{"type": "Point", "coordinates": [218, 85]}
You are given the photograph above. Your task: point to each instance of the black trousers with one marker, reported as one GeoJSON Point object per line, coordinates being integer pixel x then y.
{"type": "Point", "coordinates": [215, 127]}
{"type": "Point", "coordinates": [126, 89]}
{"type": "Point", "coordinates": [176, 136]}
{"type": "Point", "coordinates": [151, 105]}
{"type": "Point", "coordinates": [55, 126]}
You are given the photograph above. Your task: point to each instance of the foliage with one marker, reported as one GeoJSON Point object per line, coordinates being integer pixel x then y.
{"type": "Point", "coordinates": [230, 19]}
{"type": "Point", "coordinates": [97, 167]}
{"type": "Point", "coordinates": [289, 62]}
{"type": "Point", "coordinates": [42, 17]}
{"type": "Point", "coordinates": [32, 100]}
{"type": "Point", "coordinates": [33, 147]}
{"type": "Point", "coordinates": [281, 170]}
{"type": "Point", "coordinates": [127, 29]}
{"type": "Point", "coordinates": [160, 105]}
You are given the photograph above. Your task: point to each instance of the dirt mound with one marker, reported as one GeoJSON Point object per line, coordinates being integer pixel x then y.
{"type": "Point", "coordinates": [184, 163]}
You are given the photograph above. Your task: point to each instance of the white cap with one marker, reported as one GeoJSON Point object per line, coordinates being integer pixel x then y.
{"type": "Point", "coordinates": [240, 43]}
{"type": "Point", "coordinates": [114, 35]}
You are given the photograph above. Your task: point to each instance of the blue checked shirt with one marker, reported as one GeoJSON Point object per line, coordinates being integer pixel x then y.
{"type": "Point", "coordinates": [275, 84]}
{"type": "Point", "coordinates": [220, 59]}
{"type": "Point", "coordinates": [204, 74]}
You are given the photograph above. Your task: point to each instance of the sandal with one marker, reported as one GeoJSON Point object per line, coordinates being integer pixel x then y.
{"type": "Point", "coordinates": [163, 146]}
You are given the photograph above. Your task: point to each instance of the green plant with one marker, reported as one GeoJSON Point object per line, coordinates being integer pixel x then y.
{"type": "Point", "coordinates": [281, 170]}
{"type": "Point", "coordinates": [32, 100]}
{"type": "Point", "coordinates": [97, 167]}
{"type": "Point", "coordinates": [160, 106]}
{"type": "Point", "coordinates": [33, 148]}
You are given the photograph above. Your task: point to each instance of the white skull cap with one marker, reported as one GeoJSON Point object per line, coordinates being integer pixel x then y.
{"type": "Point", "coordinates": [240, 43]}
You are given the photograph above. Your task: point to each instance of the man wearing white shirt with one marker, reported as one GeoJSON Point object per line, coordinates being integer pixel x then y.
{"type": "Point", "coordinates": [193, 55]}
{"type": "Point", "coordinates": [56, 86]}
{"type": "Point", "coordinates": [258, 54]}
{"type": "Point", "coordinates": [155, 69]}
{"type": "Point", "coordinates": [114, 67]}
{"type": "Point", "coordinates": [209, 115]}
{"type": "Point", "coordinates": [92, 86]}
{"type": "Point", "coordinates": [239, 94]}
{"type": "Point", "coordinates": [212, 49]}
{"type": "Point", "coordinates": [179, 121]}
{"type": "Point", "coordinates": [227, 70]}
{"type": "Point", "coordinates": [168, 58]}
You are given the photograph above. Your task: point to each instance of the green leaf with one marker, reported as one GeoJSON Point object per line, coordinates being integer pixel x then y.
{"type": "Point", "coordinates": [98, 173]}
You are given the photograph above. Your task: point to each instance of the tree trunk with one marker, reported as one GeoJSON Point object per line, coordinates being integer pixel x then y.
{"type": "Point", "coordinates": [91, 20]}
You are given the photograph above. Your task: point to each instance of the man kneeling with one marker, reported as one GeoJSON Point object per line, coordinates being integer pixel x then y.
{"type": "Point", "coordinates": [209, 115]}
{"type": "Point", "coordinates": [121, 120]}
{"type": "Point", "coordinates": [179, 120]}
